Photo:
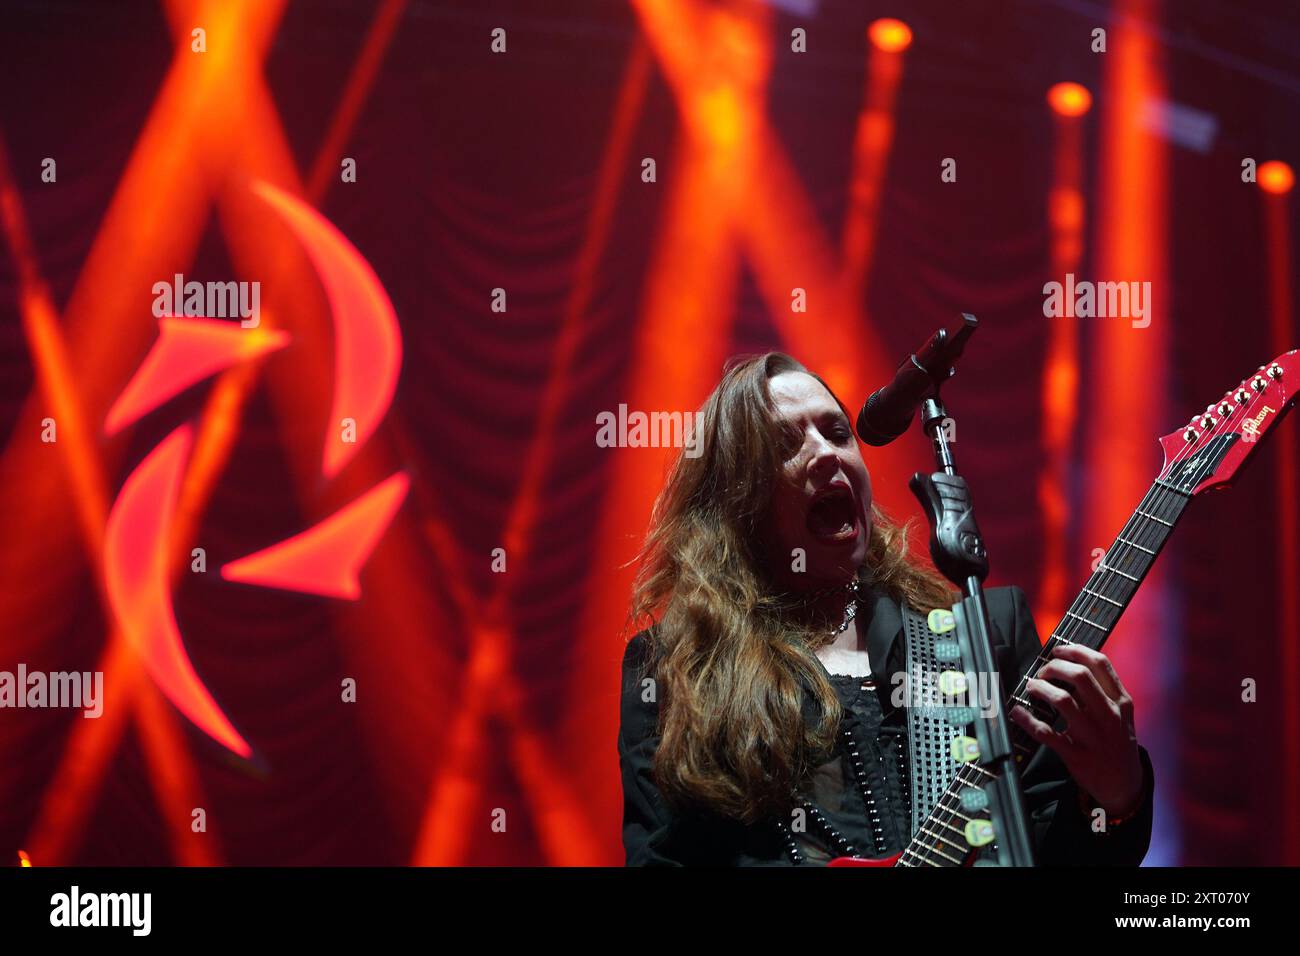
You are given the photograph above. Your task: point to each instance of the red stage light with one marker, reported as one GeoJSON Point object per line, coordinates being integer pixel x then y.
{"type": "Point", "coordinates": [890, 35]}
{"type": "Point", "coordinates": [1275, 177]}
{"type": "Point", "coordinates": [1069, 99]}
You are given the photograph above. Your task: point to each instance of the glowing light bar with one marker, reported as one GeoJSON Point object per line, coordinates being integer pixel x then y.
{"type": "Point", "coordinates": [187, 351]}
{"type": "Point", "coordinates": [137, 561]}
{"type": "Point", "coordinates": [367, 342]}
{"type": "Point", "coordinates": [325, 559]}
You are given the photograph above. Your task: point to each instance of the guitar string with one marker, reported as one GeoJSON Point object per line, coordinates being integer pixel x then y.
{"type": "Point", "coordinates": [1161, 500]}
{"type": "Point", "coordinates": [964, 775]}
{"type": "Point", "coordinates": [1163, 496]}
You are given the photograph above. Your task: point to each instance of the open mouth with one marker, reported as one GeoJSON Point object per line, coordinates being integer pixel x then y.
{"type": "Point", "coordinates": [833, 515]}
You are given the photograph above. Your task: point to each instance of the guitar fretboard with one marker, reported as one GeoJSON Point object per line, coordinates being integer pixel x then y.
{"type": "Point", "coordinates": [941, 839]}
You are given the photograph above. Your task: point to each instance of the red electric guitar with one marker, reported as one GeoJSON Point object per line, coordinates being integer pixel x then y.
{"type": "Point", "coordinates": [1203, 456]}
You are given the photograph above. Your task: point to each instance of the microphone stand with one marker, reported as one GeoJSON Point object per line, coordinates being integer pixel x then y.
{"type": "Point", "coordinates": [958, 551]}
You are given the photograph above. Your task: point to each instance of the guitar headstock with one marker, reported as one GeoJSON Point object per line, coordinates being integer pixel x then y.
{"type": "Point", "coordinates": [1208, 452]}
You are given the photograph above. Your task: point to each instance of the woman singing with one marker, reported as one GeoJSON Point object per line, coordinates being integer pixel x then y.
{"type": "Point", "coordinates": [758, 722]}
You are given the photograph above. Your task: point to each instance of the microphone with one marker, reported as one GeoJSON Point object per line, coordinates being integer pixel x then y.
{"type": "Point", "coordinates": [890, 410]}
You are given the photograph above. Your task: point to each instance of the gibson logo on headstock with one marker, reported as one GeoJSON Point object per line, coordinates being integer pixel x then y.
{"type": "Point", "coordinates": [1250, 427]}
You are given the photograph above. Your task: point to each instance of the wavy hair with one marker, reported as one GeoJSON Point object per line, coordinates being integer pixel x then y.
{"type": "Point", "coordinates": [732, 666]}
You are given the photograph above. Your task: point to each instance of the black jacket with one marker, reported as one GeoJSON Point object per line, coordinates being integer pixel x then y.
{"type": "Point", "coordinates": [1062, 834]}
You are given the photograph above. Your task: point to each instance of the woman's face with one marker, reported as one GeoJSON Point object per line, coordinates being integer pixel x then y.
{"type": "Point", "coordinates": [822, 504]}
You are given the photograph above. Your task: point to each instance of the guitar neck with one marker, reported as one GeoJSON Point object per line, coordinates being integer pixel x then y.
{"type": "Point", "coordinates": [1121, 571]}
{"type": "Point", "coordinates": [1089, 621]}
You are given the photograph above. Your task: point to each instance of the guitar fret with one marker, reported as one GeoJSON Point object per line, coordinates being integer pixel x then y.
{"type": "Point", "coordinates": [1164, 484]}
{"type": "Point", "coordinates": [1134, 545]}
{"type": "Point", "coordinates": [955, 829]}
{"type": "Point", "coordinates": [935, 849]}
{"type": "Point", "coordinates": [1080, 617]}
{"type": "Point", "coordinates": [1167, 524]}
{"type": "Point", "coordinates": [1103, 597]}
{"type": "Point", "coordinates": [1106, 567]}
{"type": "Point", "coordinates": [1156, 507]}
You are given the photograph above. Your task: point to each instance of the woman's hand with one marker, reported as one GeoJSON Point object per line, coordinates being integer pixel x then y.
{"type": "Point", "coordinates": [1099, 745]}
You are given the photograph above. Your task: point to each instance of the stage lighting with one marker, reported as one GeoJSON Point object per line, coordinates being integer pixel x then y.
{"type": "Point", "coordinates": [1069, 99]}
{"type": "Point", "coordinates": [889, 35]}
{"type": "Point", "coordinates": [1275, 177]}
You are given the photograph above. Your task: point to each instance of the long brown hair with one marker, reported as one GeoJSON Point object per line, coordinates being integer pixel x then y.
{"type": "Point", "coordinates": [731, 665]}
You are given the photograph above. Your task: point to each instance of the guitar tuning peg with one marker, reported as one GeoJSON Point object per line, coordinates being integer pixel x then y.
{"type": "Point", "coordinates": [1275, 371]}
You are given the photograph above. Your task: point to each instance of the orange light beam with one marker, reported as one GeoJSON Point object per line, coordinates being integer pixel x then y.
{"type": "Point", "coordinates": [522, 519]}
{"type": "Point", "coordinates": [565, 831]}
{"type": "Point", "coordinates": [1066, 212]}
{"type": "Point", "coordinates": [298, 395]}
{"type": "Point", "coordinates": [267, 157]}
{"type": "Point", "coordinates": [50, 357]}
{"type": "Point", "coordinates": [1129, 388]}
{"type": "Point", "coordinates": [218, 422]}
{"type": "Point", "coordinates": [872, 145]}
{"type": "Point", "coordinates": [1276, 180]}
{"type": "Point", "coordinates": [720, 103]}
{"type": "Point", "coordinates": [678, 350]}
{"type": "Point", "coordinates": [54, 375]}
{"type": "Point", "coordinates": [325, 169]}
{"type": "Point", "coordinates": [161, 193]}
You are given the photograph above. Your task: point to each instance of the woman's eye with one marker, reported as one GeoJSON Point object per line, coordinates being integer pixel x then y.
{"type": "Point", "coordinates": [791, 443]}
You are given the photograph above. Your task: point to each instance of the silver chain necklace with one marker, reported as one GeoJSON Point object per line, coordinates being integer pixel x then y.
{"type": "Point", "coordinates": [850, 609]}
